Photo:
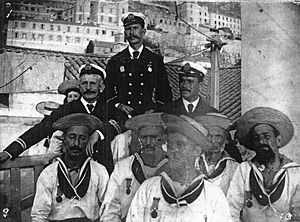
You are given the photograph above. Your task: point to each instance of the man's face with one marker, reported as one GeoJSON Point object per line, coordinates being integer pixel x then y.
{"type": "Point", "coordinates": [151, 139]}
{"type": "Point", "coordinates": [134, 33]}
{"type": "Point", "coordinates": [218, 137]}
{"type": "Point", "coordinates": [189, 87]}
{"type": "Point", "coordinates": [91, 85]}
{"type": "Point", "coordinates": [265, 142]}
{"type": "Point", "coordinates": [182, 153]}
{"type": "Point", "coordinates": [75, 141]}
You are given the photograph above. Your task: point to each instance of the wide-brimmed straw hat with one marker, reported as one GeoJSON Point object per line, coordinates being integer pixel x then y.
{"type": "Point", "coordinates": [78, 119]}
{"type": "Point", "coordinates": [215, 119]}
{"type": "Point", "coordinates": [189, 128]}
{"type": "Point", "coordinates": [149, 119]}
{"type": "Point", "coordinates": [46, 107]}
{"type": "Point", "coordinates": [263, 115]}
{"type": "Point", "coordinates": [68, 85]}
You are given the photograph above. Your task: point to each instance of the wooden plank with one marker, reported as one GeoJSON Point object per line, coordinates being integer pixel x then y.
{"type": "Point", "coordinates": [15, 190]}
{"type": "Point", "coordinates": [27, 161]}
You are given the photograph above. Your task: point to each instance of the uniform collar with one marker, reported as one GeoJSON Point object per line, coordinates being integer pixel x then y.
{"type": "Point", "coordinates": [186, 103]}
{"type": "Point", "coordinates": [131, 50]}
{"type": "Point", "coordinates": [85, 103]}
{"type": "Point", "coordinates": [64, 182]}
{"type": "Point", "coordinates": [190, 194]}
{"type": "Point", "coordinates": [138, 168]}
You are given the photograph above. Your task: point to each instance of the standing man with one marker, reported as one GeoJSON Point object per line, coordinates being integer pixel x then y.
{"type": "Point", "coordinates": [92, 102]}
{"type": "Point", "coordinates": [131, 172]}
{"type": "Point", "coordinates": [216, 163]}
{"type": "Point", "coordinates": [179, 193]}
{"type": "Point", "coordinates": [190, 103]}
{"type": "Point", "coordinates": [137, 81]}
{"type": "Point", "coordinates": [266, 188]}
{"type": "Point", "coordinates": [71, 188]}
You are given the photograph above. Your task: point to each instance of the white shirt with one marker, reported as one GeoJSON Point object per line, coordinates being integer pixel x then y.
{"type": "Point", "coordinates": [186, 103]}
{"type": "Point", "coordinates": [131, 50]}
{"type": "Point", "coordinates": [85, 103]}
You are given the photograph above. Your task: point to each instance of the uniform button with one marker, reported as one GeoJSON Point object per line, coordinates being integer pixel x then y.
{"type": "Point", "coordinates": [141, 94]}
{"type": "Point", "coordinates": [142, 74]}
{"type": "Point", "coordinates": [130, 74]}
{"type": "Point", "coordinates": [130, 84]}
{"type": "Point", "coordinates": [128, 102]}
{"type": "Point", "coordinates": [142, 83]}
{"type": "Point", "coordinates": [129, 93]}
{"type": "Point", "coordinates": [140, 102]}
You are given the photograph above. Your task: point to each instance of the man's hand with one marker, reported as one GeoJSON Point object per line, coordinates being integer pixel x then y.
{"type": "Point", "coordinates": [90, 145]}
{"type": "Point", "coordinates": [127, 109]}
{"type": "Point", "coordinates": [3, 157]}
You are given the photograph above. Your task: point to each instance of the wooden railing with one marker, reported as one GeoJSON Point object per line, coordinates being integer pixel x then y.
{"type": "Point", "coordinates": [13, 202]}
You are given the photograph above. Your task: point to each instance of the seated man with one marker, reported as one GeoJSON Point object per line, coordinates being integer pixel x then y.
{"type": "Point", "coordinates": [71, 188]}
{"type": "Point", "coordinates": [266, 188]}
{"type": "Point", "coordinates": [180, 194]}
{"type": "Point", "coordinates": [131, 172]}
{"type": "Point", "coordinates": [216, 163]}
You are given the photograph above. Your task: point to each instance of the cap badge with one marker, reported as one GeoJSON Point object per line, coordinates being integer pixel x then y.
{"type": "Point", "coordinates": [122, 69]}
{"type": "Point", "coordinates": [87, 67]}
{"type": "Point", "coordinates": [130, 16]}
{"type": "Point", "coordinates": [186, 67]}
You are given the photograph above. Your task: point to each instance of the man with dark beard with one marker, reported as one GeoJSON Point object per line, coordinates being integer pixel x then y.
{"type": "Point", "coordinates": [179, 193]}
{"type": "Point", "coordinates": [71, 188]}
{"type": "Point", "coordinates": [266, 188]}
{"type": "Point", "coordinates": [131, 172]}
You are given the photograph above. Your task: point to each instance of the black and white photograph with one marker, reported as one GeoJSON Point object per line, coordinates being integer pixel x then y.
{"type": "Point", "coordinates": [139, 111]}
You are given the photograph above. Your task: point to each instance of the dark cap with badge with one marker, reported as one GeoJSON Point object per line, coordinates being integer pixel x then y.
{"type": "Point", "coordinates": [77, 119]}
{"type": "Point", "coordinates": [192, 69]}
{"type": "Point", "coordinates": [134, 18]}
{"type": "Point", "coordinates": [92, 69]}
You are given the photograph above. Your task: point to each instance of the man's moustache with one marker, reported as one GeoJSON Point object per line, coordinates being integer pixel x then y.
{"type": "Point", "coordinates": [263, 146]}
{"type": "Point", "coordinates": [89, 91]}
{"type": "Point", "coordinates": [75, 148]}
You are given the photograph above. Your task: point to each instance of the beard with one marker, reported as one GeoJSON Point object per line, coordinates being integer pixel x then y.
{"type": "Point", "coordinates": [75, 153]}
{"type": "Point", "coordinates": [264, 154]}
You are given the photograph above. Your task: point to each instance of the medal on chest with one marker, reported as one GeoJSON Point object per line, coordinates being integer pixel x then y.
{"type": "Point", "coordinates": [149, 67]}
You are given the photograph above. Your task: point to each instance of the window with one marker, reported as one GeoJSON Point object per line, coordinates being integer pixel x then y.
{"type": "Point", "coordinates": [42, 26]}
{"type": "Point", "coordinates": [33, 36]}
{"type": "Point", "coordinates": [77, 39]}
{"type": "Point", "coordinates": [24, 35]}
{"type": "Point", "coordinates": [109, 19]}
{"type": "Point", "coordinates": [88, 31]}
{"type": "Point", "coordinates": [68, 29]}
{"type": "Point", "coordinates": [102, 10]}
{"type": "Point", "coordinates": [23, 25]}
{"type": "Point", "coordinates": [50, 37]}
{"type": "Point", "coordinates": [112, 33]}
{"type": "Point", "coordinates": [41, 37]}
{"type": "Point", "coordinates": [51, 27]}
{"type": "Point", "coordinates": [215, 22]}
{"type": "Point", "coordinates": [199, 13]}
{"type": "Point", "coordinates": [80, 17]}
{"type": "Point", "coordinates": [97, 31]}
{"type": "Point", "coordinates": [205, 20]}
{"type": "Point", "coordinates": [32, 8]}
{"type": "Point", "coordinates": [58, 28]}
{"type": "Point", "coordinates": [77, 29]}
{"type": "Point", "coordinates": [103, 32]}
{"type": "Point", "coordinates": [111, 10]}
{"type": "Point", "coordinates": [33, 25]}
{"type": "Point", "coordinates": [4, 100]}
{"type": "Point", "coordinates": [161, 21]}
{"type": "Point", "coordinates": [59, 38]}
{"type": "Point", "coordinates": [205, 14]}
{"type": "Point", "coordinates": [16, 35]}
{"type": "Point", "coordinates": [102, 18]}
{"type": "Point", "coordinates": [68, 38]}
{"type": "Point", "coordinates": [80, 8]}
{"type": "Point", "coordinates": [123, 10]}
{"type": "Point", "coordinates": [16, 24]}
{"type": "Point", "coordinates": [191, 19]}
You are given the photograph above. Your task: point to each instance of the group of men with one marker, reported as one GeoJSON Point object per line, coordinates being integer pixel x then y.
{"type": "Point", "coordinates": [182, 166]}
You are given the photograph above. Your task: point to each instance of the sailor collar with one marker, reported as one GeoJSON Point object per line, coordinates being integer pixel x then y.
{"type": "Point", "coordinates": [190, 194]}
{"type": "Point", "coordinates": [138, 168]}
{"type": "Point", "coordinates": [64, 183]}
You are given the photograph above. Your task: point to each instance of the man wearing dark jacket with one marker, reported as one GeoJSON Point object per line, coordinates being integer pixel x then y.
{"type": "Point", "coordinates": [190, 82]}
{"type": "Point", "coordinates": [92, 102]}
{"type": "Point", "coordinates": [137, 81]}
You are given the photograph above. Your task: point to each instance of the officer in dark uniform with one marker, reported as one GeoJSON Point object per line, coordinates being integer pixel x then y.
{"type": "Point", "coordinates": [136, 77]}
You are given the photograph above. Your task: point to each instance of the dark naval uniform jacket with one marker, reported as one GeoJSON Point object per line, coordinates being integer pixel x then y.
{"type": "Point", "coordinates": [177, 108]}
{"type": "Point", "coordinates": [139, 83]}
{"type": "Point", "coordinates": [43, 129]}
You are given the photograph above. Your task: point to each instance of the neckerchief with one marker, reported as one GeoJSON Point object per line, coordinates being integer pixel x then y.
{"type": "Point", "coordinates": [138, 168]}
{"type": "Point", "coordinates": [65, 185]}
{"type": "Point", "coordinates": [191, 193]}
